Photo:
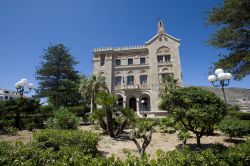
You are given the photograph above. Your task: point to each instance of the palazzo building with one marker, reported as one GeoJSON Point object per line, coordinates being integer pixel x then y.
{"type": "Point", "coordinates": [135, 73]}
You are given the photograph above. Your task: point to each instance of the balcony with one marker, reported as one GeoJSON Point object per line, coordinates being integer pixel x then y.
{"type": "Point", "coordinates": [131, 87]}
{"type": "Point", "coordinates": [165, 63]}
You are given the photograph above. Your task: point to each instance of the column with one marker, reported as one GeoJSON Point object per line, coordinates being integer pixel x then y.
{"type": "Point", "coordinates": [124, 102]}
{"type": "Point", "coordinates": [138, 105]}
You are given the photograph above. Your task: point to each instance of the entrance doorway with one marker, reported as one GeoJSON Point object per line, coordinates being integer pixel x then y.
{"type": "Point", "coordinates": [132, 103]}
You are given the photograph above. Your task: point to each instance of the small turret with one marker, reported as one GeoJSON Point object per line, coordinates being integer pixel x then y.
{"type": "Point", "coordinates": [160, 29]}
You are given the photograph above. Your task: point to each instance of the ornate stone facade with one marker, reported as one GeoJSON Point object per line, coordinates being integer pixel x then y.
{"type": "Point", "coordinates": [134, 73]}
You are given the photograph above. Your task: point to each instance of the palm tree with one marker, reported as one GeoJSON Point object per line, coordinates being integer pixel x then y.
{"type": "Point", "coordinates": [90, 87]}
{"type": "Point", "coordinates": [107, 101]}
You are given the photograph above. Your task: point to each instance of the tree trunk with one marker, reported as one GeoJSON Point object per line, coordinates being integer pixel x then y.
{"type": "Point", "coordinates": [184, 142]}
{"type": "Point", "coordinates": [137, 145]}
{"type": "Point", "coordinates": [146, 142]}
{"type": "Point", "coordinates": [18, 120]}
{"type": "Point", "coordinates": [103, 124]}
{"type": "Point", "coordinates": [198, 139]}
{"type": "Point", "coordinates": [110, 122]}
{"type": "Point", "coordinates": [121, 128]}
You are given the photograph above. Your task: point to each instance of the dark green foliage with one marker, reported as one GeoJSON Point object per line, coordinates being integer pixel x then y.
{"type": "Point", "coordinates": [63, 119]}
{"type": "Point", "coordinates": [32, 154]}
{"type": "Point", "coordinates": [83, 141]}
{"type": "Point", "coordinates": [16, 109]}
{"type": "Point", "coordinates": [30, 126]}
{"type": "Point", "coordinates": [167, 125]}
{"type": "Point", "coordinates": [240, 115]}
{"type": "Point", "coordinates": [239, 155]}
{"type": "Point", "coordinates": [79, 110]}
{"type": "Point", "coordinates": [11, 130]}
{"type": "Point", "coordinates": [233, 21]}
{"type": "Point", "coordinates": [58, 80]}
{"type": "Point", "coordinates": [196, 109]}
{"type": "Point", "coordinates": [234, 127]}
{"type": "Point", "coordinates": [107, 116]}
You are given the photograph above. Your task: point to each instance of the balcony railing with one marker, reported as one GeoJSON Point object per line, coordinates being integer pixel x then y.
{"type": "Point", "coordinates": [132, 86]}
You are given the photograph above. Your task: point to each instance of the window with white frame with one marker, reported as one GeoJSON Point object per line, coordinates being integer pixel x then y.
{"type": "Point", "coordinates": [143, 79]}
{"type": "Point", "coordinates": [130, 80]}
{"type": "Point", "coordinates": [118, 80]}
{"type": "Point", "coordinates": [142, 60]}
{"type": "Point", "coordinates": [130, 61]}
{"type": "Point", "coordinates": [102, 60]}
{"type": "Point", "coordinates": [118, 62]}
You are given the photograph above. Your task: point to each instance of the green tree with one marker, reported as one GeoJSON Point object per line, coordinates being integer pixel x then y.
{"type": "Point", "coordinates": [107, 116]}
{"type": "Point", "coordinates": [233, 21]}
{"type": "Point", "coordinates": [18, 108]}
{"type": "Point", "coordinates": [196, 109]}
{"type": "Point", "coordinates": [90, 87]}
{"type": "Point", "coordinates": [234, 127]}
{"type": "Point", "coordinates": [58, 80]}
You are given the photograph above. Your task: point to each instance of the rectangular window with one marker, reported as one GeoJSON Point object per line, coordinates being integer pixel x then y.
{"type": "Point", "coordinates": [167, 58]}
{"type": "Point", "coordinates": [143, 79]}
{"type": "Point", "coordinates": [102, 60]}
{"type": "Point", "coordinates": [165, 76]}
{"type": "Point", "coordinates": [130, 80]}
{"type": "Point", "coordinates": [160, 59]}
{"type": "Point", "coordinates": [118, 62]}
{"type": "Point", "coordinates": [142, 60]}
{"type": "Point", "coordinates": [118, 80]}
{"type": "Point", "coordinates": [6, 97]}
{"type": "Point", "coordinates": [130, 61]}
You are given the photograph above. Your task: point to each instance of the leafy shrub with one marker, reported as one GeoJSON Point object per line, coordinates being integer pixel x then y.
{"type": "Point", "coordinates": [4, 123]}
{"type": "Point", "coordinates": [19, 108]}
{"type": "Point", "coordinates": [11, 130]}
{"type": "Point", "coordinates": [30, 126]}
{"type": "Point", "coordinates": [20, 154]}
{"type": "Point", "coordinates": [234, 127]}
{"type": "Point", "coordinates": [167, 125]}
{"type": "Point", "coordinates": [63, 119]}
{"type": "Point", "coordinates": [78, 110]}
{"type": "Point", "coordinates": [240, 115]}
{"type": "Point", "coordinates": [239, 155]}
{"type": "Point", "coordinates": [29, 154]}
{"type": "Point", "coordinates": [83, 141]}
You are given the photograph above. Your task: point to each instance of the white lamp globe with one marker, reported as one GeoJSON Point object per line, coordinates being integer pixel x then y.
{"type": "Point", "coordinates": [31, 86]}
{"type": "Point", "coordinates": [142, 101]}
{"type": "Point", "coordinates": [24, 81]}
{"type": "Point", "coordinates": [218, 71]}
{"type": "Point", "coordinates": [222, 76]}
{"type": "Point", "coordinates": [18, 84]}
{"type": "Point", "coordinates": [211, 78]}
{"type": "Point", "coordinates": [228, 76]}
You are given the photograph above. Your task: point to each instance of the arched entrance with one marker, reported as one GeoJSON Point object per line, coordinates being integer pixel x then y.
{"type": "Point", "coordinates": [119, 102]}
{"type": "Point", "coordinates": [132, 103]}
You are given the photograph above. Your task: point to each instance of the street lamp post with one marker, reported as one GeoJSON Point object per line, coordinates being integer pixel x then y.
{"type": "Point", "coordinates": [20, 87]}
{"type": "Point", "coordinates": [223, 78]}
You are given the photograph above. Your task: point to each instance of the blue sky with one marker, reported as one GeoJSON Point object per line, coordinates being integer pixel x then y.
{"type": "Point", "coordinates": [27, 27]}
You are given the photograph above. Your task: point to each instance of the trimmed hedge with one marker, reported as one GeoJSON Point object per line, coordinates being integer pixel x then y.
{"type": "Point", "coordinates": [83, 141]}
{"type": "Point", "coordinates": [63, 119]}
{"type": "Point", "coordinates": [69, 153]}
{"type": "Point", "coordinates": [234, 127]}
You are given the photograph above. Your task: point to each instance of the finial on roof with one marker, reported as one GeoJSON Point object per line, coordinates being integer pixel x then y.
{"type": "Point", "coordinates": [160, 29]}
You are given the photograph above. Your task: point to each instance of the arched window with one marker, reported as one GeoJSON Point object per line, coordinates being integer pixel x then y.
{"type": "Point", "coordinates": [118, 78]}
{"type": "Point", "coordinates": [163, 54]}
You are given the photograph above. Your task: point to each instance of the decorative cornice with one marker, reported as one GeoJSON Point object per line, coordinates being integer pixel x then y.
{"type": "Point", "coordinates": [138, 47]}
